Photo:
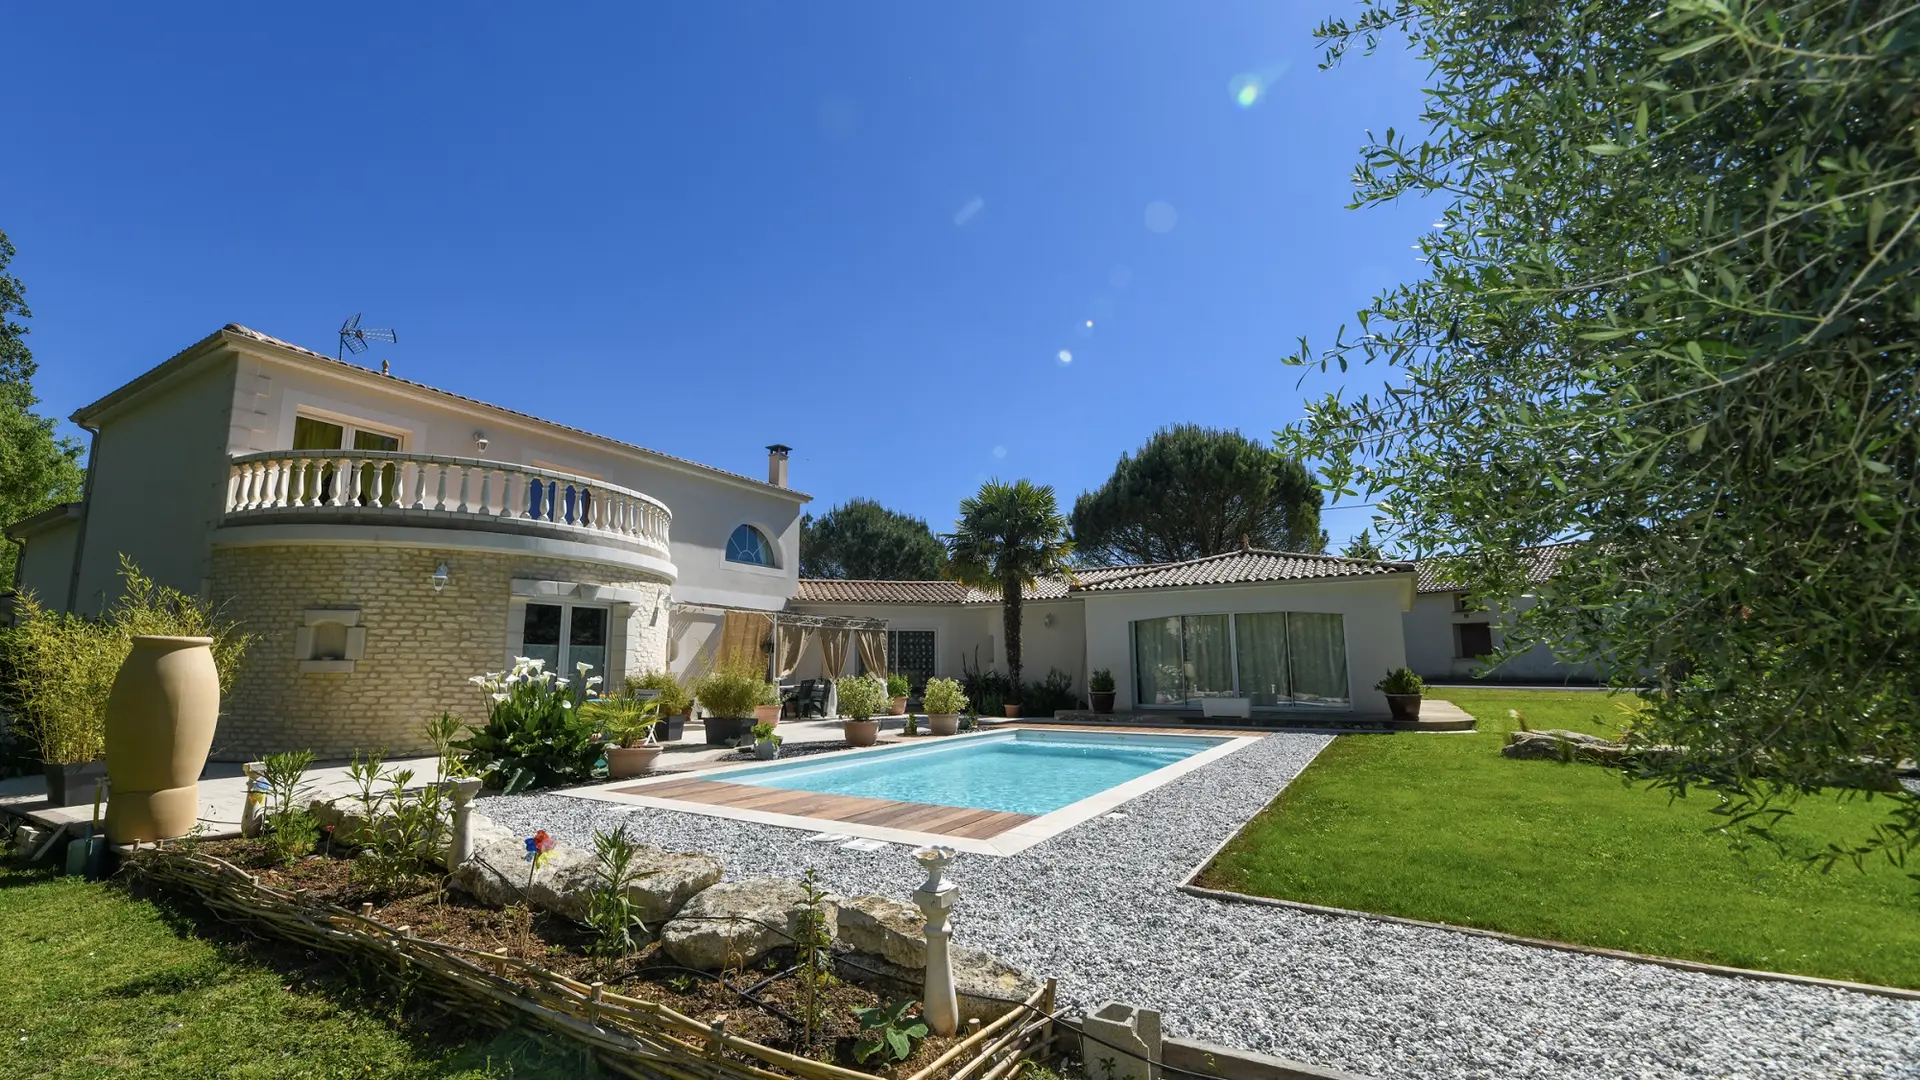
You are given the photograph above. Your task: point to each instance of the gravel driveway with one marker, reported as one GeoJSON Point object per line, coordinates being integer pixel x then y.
{"type": "Point", "coordinates": [1097, 907]}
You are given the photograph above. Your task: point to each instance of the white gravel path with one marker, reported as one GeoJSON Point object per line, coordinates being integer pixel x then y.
{"type": "Point", "coordinates": [1097, 907]}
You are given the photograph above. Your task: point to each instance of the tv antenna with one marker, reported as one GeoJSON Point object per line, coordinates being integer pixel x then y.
{"type": "Point", "coordinates": [354, 337]}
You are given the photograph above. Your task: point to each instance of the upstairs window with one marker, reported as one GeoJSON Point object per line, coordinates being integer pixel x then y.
{"type": "Point", "coordinates": [748, 545]}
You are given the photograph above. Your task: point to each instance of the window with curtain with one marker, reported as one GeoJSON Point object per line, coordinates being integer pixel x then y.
{"type": "Point", "coordinates": [1318, 645]}
{"type": "Point", "coordinates": [1278, 659]}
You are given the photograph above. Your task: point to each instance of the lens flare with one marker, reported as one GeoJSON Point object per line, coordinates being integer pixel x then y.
{"type": "Point", "coordinates": [1246, 90]}
{"type": "Point", "coordinates": [1065, 356]}
{"type": "Point", "coordinates": [1161, 217]}
{"type": "Point", "coordinates": [999, 451]}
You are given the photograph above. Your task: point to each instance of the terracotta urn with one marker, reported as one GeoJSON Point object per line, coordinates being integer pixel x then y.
{"type": "Point", "coordinates": [766, 714]}
{"type": "Point", "coordinates": [943, 723]}
{"type": "Point", "coordinates": [626, 762]}
{"type": "Point", "coordinates": [860, 732]}
{"type": "Point", "coordinates": [160, 717]}
{"type": "Point", "coordinates": [1012, 711]}
{"type": "Point", "coordinates": [899, 706]}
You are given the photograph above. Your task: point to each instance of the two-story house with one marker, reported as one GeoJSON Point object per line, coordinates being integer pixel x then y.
{"type": "Point", "coordinates": [387, 541]}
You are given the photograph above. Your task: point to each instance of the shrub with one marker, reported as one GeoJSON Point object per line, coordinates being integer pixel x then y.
{"type": "Point", "coordinates": [988, 690]}
{"type": "Point", "coordinates": [1050, 695]}
{"type": "Point", "coordinates": [1101, 681]}
{"type": "Point", "coordinates": [765, 733]}
{"type": "Point", "coordinates": [291, 830]}
{"type": "Point", "coordinates": [861, 696]}
{"type": "Point", "coordinates": [943, 696]}
{"type": "Point", "coordinates": [625, 721]}
{"type": "Point", "coordinates": [60, 666]}
{"type": "Point", "coordinates": [610, 910]}
{"type": "Point", "coordinates": [731, 690]}
{"type": "Point", "coordinates": [673, 698]}
{"type": "Point", "coordinates": [1400, 681]}
{"type": "Point", "coordinates": [897, 686]}
{"type": "Point", "coordinates": [535, 736]}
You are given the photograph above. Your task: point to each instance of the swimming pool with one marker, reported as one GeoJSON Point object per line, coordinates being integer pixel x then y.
{"type": "Point", "coordinates": [1018, 772]}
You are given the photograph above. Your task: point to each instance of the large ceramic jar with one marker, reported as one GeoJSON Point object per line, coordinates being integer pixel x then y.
{"type": "Point", "coordinates": [160, 717]}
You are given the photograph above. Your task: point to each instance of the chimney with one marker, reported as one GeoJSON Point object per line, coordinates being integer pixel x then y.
{"type": "Point", "coordinates": [777, 464]}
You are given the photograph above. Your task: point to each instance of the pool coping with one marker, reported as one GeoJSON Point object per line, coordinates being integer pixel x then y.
{"type": "Point", "coordinates": [1011, 842]}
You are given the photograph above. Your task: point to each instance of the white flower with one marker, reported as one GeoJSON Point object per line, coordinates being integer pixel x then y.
{"type": "Point", "coordinates": [532, 663]}
{"type": "Point", "coordinates": [594, 681]}
{"type": "Point", "coordinates": [497, 697]}
{"type": "Point", "coordinates": [566, 704]}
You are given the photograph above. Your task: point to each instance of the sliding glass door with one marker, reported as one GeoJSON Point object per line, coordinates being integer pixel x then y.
{"type": "Point", "coordinates": [1279, 659]}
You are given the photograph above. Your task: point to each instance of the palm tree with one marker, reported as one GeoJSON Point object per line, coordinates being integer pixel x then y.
{"type": "Point", "coordinates": [1008, 536]}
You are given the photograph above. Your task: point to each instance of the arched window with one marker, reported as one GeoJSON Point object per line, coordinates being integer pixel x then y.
{"type": "Point", "coordinates": [749, 545]}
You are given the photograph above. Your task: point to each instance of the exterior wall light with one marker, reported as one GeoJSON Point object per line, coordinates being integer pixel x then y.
{"type": "Point", "coordinates": [480, 441]}
{"type": "Point", "coordinates": [440, 577]}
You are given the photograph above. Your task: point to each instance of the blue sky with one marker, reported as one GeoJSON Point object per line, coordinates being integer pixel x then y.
{"type": "Point", "coordinates": [873, 232]}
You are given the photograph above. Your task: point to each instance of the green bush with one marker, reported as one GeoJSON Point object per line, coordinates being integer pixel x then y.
{"type": "Point", "coordinates": [1101, 681]}
{"type": "Point", "coordinates": [536, 735]}
{"type": "Point", "coordinates": [59, 667]}
{"type": "Point", "coordinates": [897, 685]}
{"type": "Point", "coordinates": [765, 733]}
{"type": "Point", "coordinates": [731, 690]}
{"type": "Point", "coordinates": [1400, 681]}
{"type": "Point", "coordinates": [673, 698]}
{"type": "Point", "coordinates": [943, 696]}
{"type": "Point", "coordinates": [861, 696]}
{"type": "Point", "coordinates": [624, 721]}
{"type": "Point", "coordinates": [1050, 695]}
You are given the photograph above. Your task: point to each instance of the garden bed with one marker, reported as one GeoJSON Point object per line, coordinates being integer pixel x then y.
{"type": "Point", "coordinates": [641, 1014]}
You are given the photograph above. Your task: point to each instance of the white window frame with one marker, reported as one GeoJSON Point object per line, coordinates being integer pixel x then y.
{"type": "Point", "coordinates": [349, 427]}
{"type": "Point", "coordinates": [517, 642]}
{"type": "Point", "coordinates": [766, 541]}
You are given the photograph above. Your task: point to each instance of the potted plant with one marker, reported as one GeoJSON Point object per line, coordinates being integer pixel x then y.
{"type": "Point", "coordinates": [673, 704]}
{"type": "Point", "coordinates": [729, 694]}
{"type": "Point", "coordinates": [629, 743]}
{"type": "Point", "coordinates": [1100, 690]}
{"type": "Point", "coordinates": [944, 703]}
{"type": "Point", "coordinates": [861, 696]}
{"type": "Point", "coordinates": [1402, 688]}
{"type": "Point", "coordinates": [1011, 709]}
{"type": "Point", "coordinates": [766, 710]}
{"type": "Point", "coordinates": [898, 689]}
{"type": "Point", "coordinates": [766, 745]}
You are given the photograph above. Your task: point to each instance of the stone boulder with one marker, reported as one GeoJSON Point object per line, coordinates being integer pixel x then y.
{"type": "Point", "coordinates": [1565, 746]}
{"type": "Point", "coordinates": [737, 923]}
{"type": "Point", "coordinates": [497, 874]}
{"type": "Point", "coordinates": [881, 926]}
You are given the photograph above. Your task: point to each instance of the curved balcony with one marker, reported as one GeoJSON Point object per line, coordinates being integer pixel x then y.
{"type": "Point", "coordinates": [361, 487]}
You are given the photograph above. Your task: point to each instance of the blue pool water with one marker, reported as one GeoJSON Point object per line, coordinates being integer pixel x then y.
{"type": "Point", "coordinates": [1022, 772]}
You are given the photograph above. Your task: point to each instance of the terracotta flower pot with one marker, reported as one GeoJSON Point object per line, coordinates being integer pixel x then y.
{"type": "Point", "coordinates": [1012, 711]}
{"type": "Point", "coordinates": [860, 732]}
{"type": "Point", "coordinates": [944, 723]}
{"type": "Point", "coordinates": [160, 717]}
{"type": "Point", "coordinates": [899, 706]}
{"type": "Point", "coordinates": [1404, 706]}
{"type": "Point", "coordinates": [625, 762]}
{"type": "Point", "coordinates": [766, 714]}
{"type": "Point", "coordinates": [1102, 701]}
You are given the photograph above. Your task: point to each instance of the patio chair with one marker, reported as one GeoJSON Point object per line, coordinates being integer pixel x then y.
{"type": "Point", "coordinates": [808, 700]}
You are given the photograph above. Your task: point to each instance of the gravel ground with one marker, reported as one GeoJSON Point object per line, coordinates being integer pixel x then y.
{"type": "Point", "coordinates": [1097, 907]}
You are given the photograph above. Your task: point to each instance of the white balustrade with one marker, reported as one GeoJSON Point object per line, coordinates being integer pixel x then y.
{"type": "Point", "coordinates": [355, 484]}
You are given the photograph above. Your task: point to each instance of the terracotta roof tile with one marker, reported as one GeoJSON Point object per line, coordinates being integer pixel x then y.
{"type": "Point", "coordinates": [1238, 567]}
{"type": "Point", "coordinates": [1541, 562]}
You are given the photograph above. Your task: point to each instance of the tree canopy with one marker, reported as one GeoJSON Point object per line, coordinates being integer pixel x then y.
{"type": "Point", "coordinates": [1671, 308]}
{"type": "Point", "coordinates": [862, 539]}
{"type": "Point", "coordinates": [38, 469]}
{"type": "Point", "coordinates": [1009, 536]}
{"type": "Point", "coordinates": [1193, 491]}
{"type": "Point", "coordinates": [1362, 547]}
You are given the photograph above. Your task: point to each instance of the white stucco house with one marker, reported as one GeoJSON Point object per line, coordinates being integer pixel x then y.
{"type": "Point", "coordinates": [386, 540]}
{"type": "Point", "coordinates": [1450, 632]}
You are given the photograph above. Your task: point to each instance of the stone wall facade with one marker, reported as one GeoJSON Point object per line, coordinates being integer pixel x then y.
{"type": "Point", "coordinates": [418, 649]}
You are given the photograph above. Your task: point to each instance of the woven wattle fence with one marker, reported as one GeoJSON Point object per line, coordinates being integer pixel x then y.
{"type": "Point", "coordinates": [626, 1035]}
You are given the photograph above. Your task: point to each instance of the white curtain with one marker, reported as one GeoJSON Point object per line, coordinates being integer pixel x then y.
{"type": "Point", "coordinates": [1209, 656]}
{"type": "Point", "coordinates": [1157, 678]}
{"type": "Point", "coordinates": [1261, 641]}
{"type": "Point", "coordinates": [1318, 644]}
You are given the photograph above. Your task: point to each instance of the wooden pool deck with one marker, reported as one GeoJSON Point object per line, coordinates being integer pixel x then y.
{"type": "Point", "coordinates": [850, 809]}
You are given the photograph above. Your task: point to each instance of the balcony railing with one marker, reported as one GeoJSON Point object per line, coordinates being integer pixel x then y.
{"type": "Point", "coordinates": [360, 485]}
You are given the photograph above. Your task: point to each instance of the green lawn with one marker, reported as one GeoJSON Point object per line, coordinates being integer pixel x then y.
{"type": "Point", "coordinates": [94, 983]}
{"type": "Point", "coordinates": [1441, 827]}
